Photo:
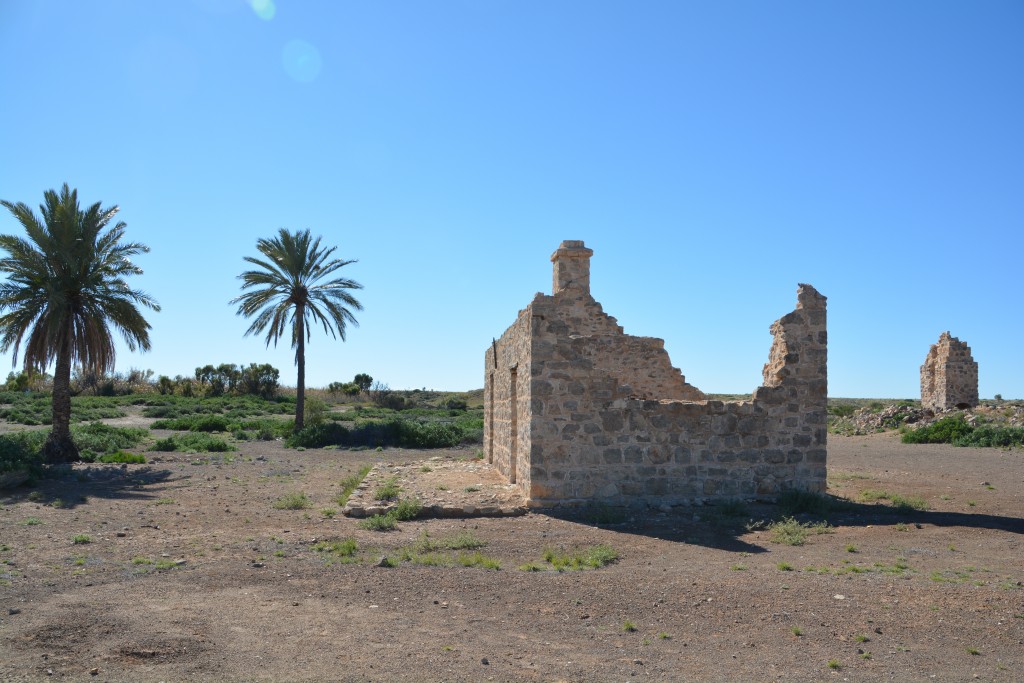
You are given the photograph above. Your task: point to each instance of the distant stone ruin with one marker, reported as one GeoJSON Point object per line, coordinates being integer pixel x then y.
{"type": "Point", "coordinates": [949, 376]}
{"type": "Point", "coordinates": [576, 411]}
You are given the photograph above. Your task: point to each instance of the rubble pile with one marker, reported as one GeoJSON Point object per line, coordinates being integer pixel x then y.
{"type": "Point", "coordinates": [895, 415]}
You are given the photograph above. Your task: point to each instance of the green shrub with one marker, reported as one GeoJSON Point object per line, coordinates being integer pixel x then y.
{"type": "Point", "coordinates": [386, 522]}
{"type": "Point", "coordinates": [193, 441]}
{"type": "Point", "coordinates": [19, 452]}
{"type": "Point", "coordinates": [393, 431]}
{"type": "Point", "coordinates": [987, 436]}
{"type": "Point", "coordinates": [407, 509]}
{"type": "Point", "coordinates": [315, 411]}
{"type": "Point", "coordinates": [945, 430]}
{"type": "Point", "coordinates": [102, 438]}
{"type": "Point", "coordinates": [318, 436]}
{"type": "Point", "coordinates": [194, 423]}
{"type": "Point", "coordinates": [388, 490]}
{"type": "Point", "coordinates": [789, 531]}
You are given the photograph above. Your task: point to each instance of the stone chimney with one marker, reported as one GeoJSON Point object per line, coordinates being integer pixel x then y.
{"type": "Point", "coordinates": [572, 266]}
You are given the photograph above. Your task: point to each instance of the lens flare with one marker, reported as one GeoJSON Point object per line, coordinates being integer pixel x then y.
{"type": "Point", "coordinates": [264, 9]}
{"type": "Point", "coordinates": [301, 60]}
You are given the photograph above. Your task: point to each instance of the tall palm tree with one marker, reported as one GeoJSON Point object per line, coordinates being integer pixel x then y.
{"type": "Point", "coordinates": [64, 291]}
{"type": "Point", "coordinates": [290, 289]}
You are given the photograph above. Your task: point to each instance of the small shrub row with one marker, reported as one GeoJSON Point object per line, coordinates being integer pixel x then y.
{"type": "Point", "coordinates": [193, 441]}
{"type": "Point", "coordinates": [233, 407]}
{"type": "Point", "coordinates": [37, 409]}
{"type": "Point", "coordinates": [395, 431]}
{"type": "Point", "coordinates": [957, 431]}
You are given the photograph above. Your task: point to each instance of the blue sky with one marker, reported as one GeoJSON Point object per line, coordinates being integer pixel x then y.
{"type": "Point", "coordinates": [712, 154]}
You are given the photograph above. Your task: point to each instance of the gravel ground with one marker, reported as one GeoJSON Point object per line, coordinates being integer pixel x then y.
{"type": "Point", "coordinates": [191, 574]}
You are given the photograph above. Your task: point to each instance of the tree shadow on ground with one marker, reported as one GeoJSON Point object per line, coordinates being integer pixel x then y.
{"type": "Point", "coordinates": [66, 488]}
{"type": "Point", "coordinates": [722, 526]}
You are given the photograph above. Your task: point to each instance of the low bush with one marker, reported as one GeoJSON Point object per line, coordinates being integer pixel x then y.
{"type": "Point", "coordinates": [194, 423]}
{"type": "Point", "coordinates": [193, 441]}
{"type": "Point", "coordinates": [19, 453]}
{"type": "Point", "coordinates": [408, 509]}
{"type": "Point", "coordinates": [37, 409]}
{"type": "Point", "coordinates": [388, 490]}
{"type": "Point", "coordinates": [789, 531]}
{"type": "Point", "coordinates": [101, 438]}
{"type": "Point", "coordinates": [957, 431]}
{"type": "Point", "coordinates": [987, 436]}
{"type": "Point", "coordinates": [386, 522]}
{"type": "Point", "coordinates": [394, 431]}
{"type": "Point", "coordinates": [945, 430]}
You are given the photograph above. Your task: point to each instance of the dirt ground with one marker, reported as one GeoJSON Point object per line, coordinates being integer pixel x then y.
{"type": "Point", "coordinates": [191, 574]}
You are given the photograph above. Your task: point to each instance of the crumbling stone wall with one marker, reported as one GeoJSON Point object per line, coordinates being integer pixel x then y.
{"type": "Point", "coordinates": [605, 417]}
{"type": "Point", "coordinates": [949, 376]}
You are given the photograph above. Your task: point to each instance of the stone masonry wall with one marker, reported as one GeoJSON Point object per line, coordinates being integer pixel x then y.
{"type": "Point", "coordinates": [507, 412]}
{"type": "Point", "coordinates": [610, 420]}
{"type": "Point", "coordinates": [949, 376]}
{"type": "Point", "coordinates": [594, 442]}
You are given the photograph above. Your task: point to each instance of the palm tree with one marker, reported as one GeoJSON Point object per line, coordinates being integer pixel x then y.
{"type": "Point", "coordinates": [64, 291]}
{"type": "Point", "coordinates": [289, 290]}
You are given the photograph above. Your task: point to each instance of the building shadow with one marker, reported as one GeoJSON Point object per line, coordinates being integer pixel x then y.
{"type": "Point", "coordinates": [723, 527]}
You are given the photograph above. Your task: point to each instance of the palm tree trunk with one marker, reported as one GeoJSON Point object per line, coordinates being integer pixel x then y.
{"type": "Point", "coordinates": [59, 448]}
{"type": "Point", "coordinates": [300, 360]}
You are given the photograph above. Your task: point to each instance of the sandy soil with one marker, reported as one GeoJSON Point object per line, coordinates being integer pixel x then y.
{"type": "Point", "coordinates": [191, 574]}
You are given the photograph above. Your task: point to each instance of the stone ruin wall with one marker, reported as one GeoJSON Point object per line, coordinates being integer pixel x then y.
{"type": "Point", "coordinates": [610, 420]}
{"type": "Point", "coordinates": [949, 376]}
{"type": "Point", "coordinates": [507, 411]}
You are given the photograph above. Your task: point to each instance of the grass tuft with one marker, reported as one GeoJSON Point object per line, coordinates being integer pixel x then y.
{"type": "Point", "coordinates": [789, 531]}
{"type": "Point", "coordinates": [293, 501]}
